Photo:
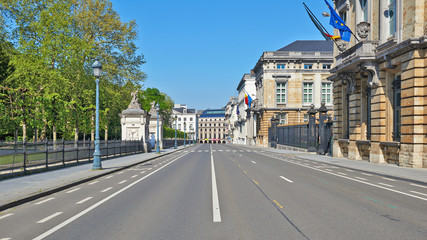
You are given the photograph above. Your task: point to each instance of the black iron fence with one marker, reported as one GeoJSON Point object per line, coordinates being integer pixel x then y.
{"type": "Point", "coordinates": [21, 157]}
{"type": "Point", "coordinates": [315, 136]}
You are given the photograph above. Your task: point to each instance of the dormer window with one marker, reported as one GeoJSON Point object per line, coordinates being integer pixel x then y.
{"type": "Point", "coordinates": [281, 66]}
{"type": "Point", "coordinates": [308, 66]}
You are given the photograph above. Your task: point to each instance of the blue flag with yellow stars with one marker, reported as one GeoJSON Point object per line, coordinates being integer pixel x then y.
{"type": "Point", "coordinates": [339, 24]}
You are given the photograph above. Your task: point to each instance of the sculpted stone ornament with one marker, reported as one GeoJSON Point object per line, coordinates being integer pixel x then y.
{"type": "Point", "coordinates": [153, 111]}
{"type": "Point", "coordinates": [134, 104]}
{"type": "Point", "coordinates": [342, 45]}
{"type": "Point", "coordinates": [363, 29]}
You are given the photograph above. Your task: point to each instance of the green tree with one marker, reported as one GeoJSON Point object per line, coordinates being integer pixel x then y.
{"type": "Point", "coordinates": [149, 95]}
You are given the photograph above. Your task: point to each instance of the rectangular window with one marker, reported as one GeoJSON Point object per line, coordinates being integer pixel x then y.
{"type": "Point", "coordinates": [396, 108]}
{"type": "Point", "coordinates": [191, 119]}
{"type": "Point", "coordinates": [280, 93]}
{"type": "Point", "coordinates": [281, 66]}
{"type": "Point", "coordinates": [327, 93]}
{"type": "Point", "coordinates": [326, 66]}
{"type": "Point", "coordinates": [305, 117]}
{"type": "Point", "coordinates": [308, 66]}
{"type": "Point", "coordinates": [343, 16]}
{"type": "Point", "coordinates": [283, 118]}
{"type": "Point", "coordinates": [308, 93]}
{"type": "Point", "coordinates": [185, 119]}
{"type": "Point", "coordinates": [391, 14]}
{"type": "Point", "coordinates": [364, 8]}
{"type": "Point", "coordinates": [179, 126]}
{"type": "Point", "coordinates": [179, 119]}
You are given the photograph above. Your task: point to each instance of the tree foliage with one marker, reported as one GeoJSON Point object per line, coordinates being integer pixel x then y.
{"type": "Point", "coordinates": [46, 53]}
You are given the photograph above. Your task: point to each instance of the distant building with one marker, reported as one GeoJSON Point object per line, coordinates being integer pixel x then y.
{"type": "Point", "coordinates": [212, 126]}
{"type": "Point", "coordinates": [186, 120]}
{"type": "Point", "coordinates": [240, 125]}
{"type": "Point", "coordinates": [288, 81]}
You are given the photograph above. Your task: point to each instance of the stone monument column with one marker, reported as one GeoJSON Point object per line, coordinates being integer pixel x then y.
{"type": "Point", "coordinates": [135, 122]}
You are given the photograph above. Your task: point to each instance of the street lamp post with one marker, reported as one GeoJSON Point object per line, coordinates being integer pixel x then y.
{"type": "Point", "coordinates": [184, 133]}
{"type": "Point", "coordinates": [97, 70]}
{"type": "Point", "coordinates": [175, 132]}
{"type": "Point", "coordinates": [158, 142]}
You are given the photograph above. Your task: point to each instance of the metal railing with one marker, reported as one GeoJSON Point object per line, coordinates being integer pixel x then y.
{"type": "Point", "coordinates": [20, 157]}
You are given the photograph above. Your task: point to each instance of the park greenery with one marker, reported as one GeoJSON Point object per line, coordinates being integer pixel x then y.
{"type": "Point", "coordinates": [47, 87]}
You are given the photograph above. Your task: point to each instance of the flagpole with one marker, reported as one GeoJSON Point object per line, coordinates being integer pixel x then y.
{"type": "Point", "coordinates": [311, 13]}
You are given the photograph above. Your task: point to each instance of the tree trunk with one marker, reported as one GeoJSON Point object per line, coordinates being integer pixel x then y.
{"type": "Point", "coordinates": [54, 136]}
{"type": "Point", "coordinates": [106, 133]}
{"type": "Point", "coordinates": [76, 136]}
{"type": "Point", "coordinates": [24, 130]}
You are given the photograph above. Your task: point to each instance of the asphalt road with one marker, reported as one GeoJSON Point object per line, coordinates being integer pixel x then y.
{"type": "Point", "coordinates": [251, 194]}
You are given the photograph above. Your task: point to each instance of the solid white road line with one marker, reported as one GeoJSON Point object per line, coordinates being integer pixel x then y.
{"type": "Point", "coordinates": [84, 200]}
{"type": "Point", "coordinates": [215, 200]}
{"type": "Point", "coordinates": [97, 204]}
{"type": "Point", "coordinates": [282, 177]}
{"type": "Point", "coordinates": [416, 185]}
{"type": "Point", "coordinates": [4, 238]}
{"type": "Point", "coordinates": [419, 193]}
{"type": "Point", "coordinates": [123, 181]}
{"type": "Point", "coordinates": [50, 217]}
{"type": "Point", "coordinates": [93, 183]}
{"type": "Point", "coordinates": [6, 215]}
{"type": "Point", "coordinates": [46, 200]}
{"type": "Point", "coordinates": [107, 189]}
{"type": "Point", "coordinates": [73, 190]}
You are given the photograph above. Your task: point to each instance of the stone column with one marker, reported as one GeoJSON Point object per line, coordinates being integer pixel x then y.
{"type": "Point", "coordinates": [312, 138]}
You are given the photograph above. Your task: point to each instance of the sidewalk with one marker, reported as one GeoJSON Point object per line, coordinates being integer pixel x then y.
{"type": "Point", "coordinates": [390, 170]}
{"type": "Point", "coordinates": [15, 191]}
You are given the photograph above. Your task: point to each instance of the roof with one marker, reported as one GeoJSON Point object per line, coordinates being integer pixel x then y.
{"type": "Point", "coordinates": [213, 113]}
{"type": "Point", "coordinates": [181, 110]}
{"type": "Point", "coordinates": [309, 46]}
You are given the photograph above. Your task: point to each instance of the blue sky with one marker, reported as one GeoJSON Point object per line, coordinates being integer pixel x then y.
{"type": "Point", "coordinates": [197, 51]}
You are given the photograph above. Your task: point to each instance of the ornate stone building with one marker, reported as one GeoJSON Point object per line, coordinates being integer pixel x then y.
{"type": "Point", "coordinates": [380, 83]}
{"type": "Point", "coordinates": [288, 81]}
{"type": "Point", "coordinates": [212, 126]}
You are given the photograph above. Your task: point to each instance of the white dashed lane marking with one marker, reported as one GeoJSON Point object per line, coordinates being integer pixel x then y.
{"type": "Point", "coordinates": [387, 185]}
{"type": "Point", "coordinates": [49, 217]}
{"type": "Point", "coordinates": [419, 193]}
{"type": "Point", "coordinates": [84, 200]}
{"type": "Point", "coordinates": [416, 185]}
{"type": "Point", "coordinates": [282, 177]}
{"type": "Point", "coordinates": [46, 200]}
{"type": "Point", "coordinates": [107, 189]}
{"type": "Point", "coordinates": [123, 181]}
{"type": "Point", "coordinates": [6, 215]}
{"type": "Point", "coordinates": [73, 190]}
{"type": "Point", "coordinates": [93, 183]}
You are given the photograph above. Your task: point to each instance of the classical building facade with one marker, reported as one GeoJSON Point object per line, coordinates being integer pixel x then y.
{"type": "Point", "coordinates": [186, 120]}
{"type": "Point", "coordinates": [380, 82]}
{"type": "Point", "coordinates": [288, 81]}
{"type": "Point", "coordinates": [212, 126]}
